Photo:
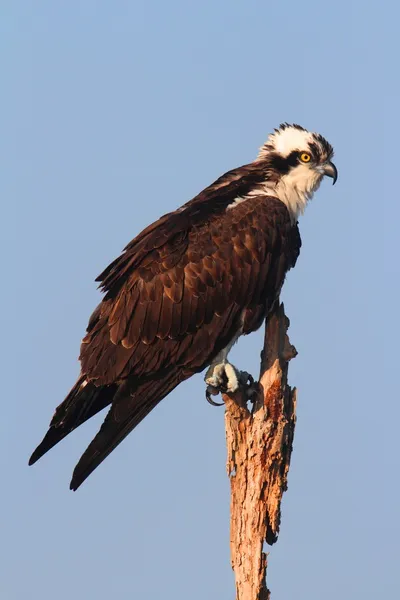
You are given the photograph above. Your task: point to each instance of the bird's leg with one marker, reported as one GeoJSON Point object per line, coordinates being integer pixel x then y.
{"type": "Point", "coordinates": [223, 377]}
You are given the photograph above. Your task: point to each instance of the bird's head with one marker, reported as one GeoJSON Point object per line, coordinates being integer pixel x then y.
{"type": "Point", "coordinates": [296, 161]}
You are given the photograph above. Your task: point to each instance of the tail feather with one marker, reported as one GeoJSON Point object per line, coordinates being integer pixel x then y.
{"type": "Point", "coordinates": [125, 414]}
{"type": "Point", "coordinates": [83, 402]}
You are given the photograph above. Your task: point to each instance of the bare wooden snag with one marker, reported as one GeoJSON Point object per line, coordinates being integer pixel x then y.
{"type": "Point", "coordinates": [259, 447]}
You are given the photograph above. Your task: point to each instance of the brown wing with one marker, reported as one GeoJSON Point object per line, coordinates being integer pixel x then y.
{"type": "Point", "coordinates": [178, 296]}
{"type": "Point", "coordinates": [220, 277]}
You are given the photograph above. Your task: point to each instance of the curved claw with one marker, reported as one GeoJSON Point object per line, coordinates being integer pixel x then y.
{"type": "Point", "coordinates": [209, 399]}
{"type": "Point", "coordinates": [246, 380]}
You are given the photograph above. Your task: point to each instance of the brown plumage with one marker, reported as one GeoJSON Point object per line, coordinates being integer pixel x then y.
{"type": "Point", "coordinates": [179, 293]}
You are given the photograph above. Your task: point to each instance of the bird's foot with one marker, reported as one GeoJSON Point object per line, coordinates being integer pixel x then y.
{"type": "Point", "coordinates": [226, 379]}
{"type": "Point", "coordinates": [223, 376]}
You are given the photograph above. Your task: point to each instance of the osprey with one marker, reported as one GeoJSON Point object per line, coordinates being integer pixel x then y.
{"type": "Point", "coordinates": [187, 287]}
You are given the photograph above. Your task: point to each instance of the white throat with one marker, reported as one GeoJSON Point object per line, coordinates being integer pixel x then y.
{"type": "Point", "coordinates": [297, 188]}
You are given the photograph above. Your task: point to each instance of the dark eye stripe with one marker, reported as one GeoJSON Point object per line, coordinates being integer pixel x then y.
{"type": "Point", "coordinates": [293, 158]}
{"type": "Point", "coordinates": [283, 165]}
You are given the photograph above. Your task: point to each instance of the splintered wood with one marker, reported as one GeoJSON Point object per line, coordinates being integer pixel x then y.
{"type": "Point", "coordinates": [259, 448]}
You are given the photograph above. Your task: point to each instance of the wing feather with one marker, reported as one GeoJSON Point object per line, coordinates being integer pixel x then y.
{"type": "Point", "coordinates": [179, 293]}
{"type": "Point", "coordinates": [125, 413]}
{"type": "Point", "coordinates": [186, 278]}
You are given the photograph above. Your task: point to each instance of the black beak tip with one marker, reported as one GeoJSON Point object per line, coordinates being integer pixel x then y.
{"type": "Point", "coordinates": [331, 171]}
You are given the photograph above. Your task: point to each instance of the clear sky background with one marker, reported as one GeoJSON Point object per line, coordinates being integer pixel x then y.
{"type": "Point", "coordinates": [113, 113]}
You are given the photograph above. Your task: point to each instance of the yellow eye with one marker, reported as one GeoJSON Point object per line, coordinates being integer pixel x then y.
{"type": "Point", "coordinates": [305, 157]}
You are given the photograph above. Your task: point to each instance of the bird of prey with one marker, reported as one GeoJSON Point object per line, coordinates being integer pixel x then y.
{"type": "Point", "coordinates": [185, 289]}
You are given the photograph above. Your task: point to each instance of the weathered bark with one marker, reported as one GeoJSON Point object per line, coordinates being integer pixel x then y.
{"type": "Point", "coordinates": [259, 448]}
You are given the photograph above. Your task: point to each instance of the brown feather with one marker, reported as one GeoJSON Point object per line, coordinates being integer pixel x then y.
{"type": "Point", "coordinates": [124, 415]}
{"type": "Point", "coordinates": [151, 324]}
{"type": "Point", "coordinates": [165, 318]}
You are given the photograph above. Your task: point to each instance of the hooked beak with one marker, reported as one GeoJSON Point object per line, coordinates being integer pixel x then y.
{"type": "Point", "coordinates": [330, 170]}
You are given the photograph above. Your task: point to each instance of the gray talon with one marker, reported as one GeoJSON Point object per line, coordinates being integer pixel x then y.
{"type": "Point", "coordinates": [224, 378]}
{"type": "Point", "coordinates": [214, 391]}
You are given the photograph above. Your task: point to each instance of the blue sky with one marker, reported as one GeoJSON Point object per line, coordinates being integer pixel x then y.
{"type": "Point", "coordinates": [114, 113]}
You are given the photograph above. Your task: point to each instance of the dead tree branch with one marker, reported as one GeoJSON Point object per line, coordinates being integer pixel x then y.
{"type": "Point", "coordinates": [259, 447]}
